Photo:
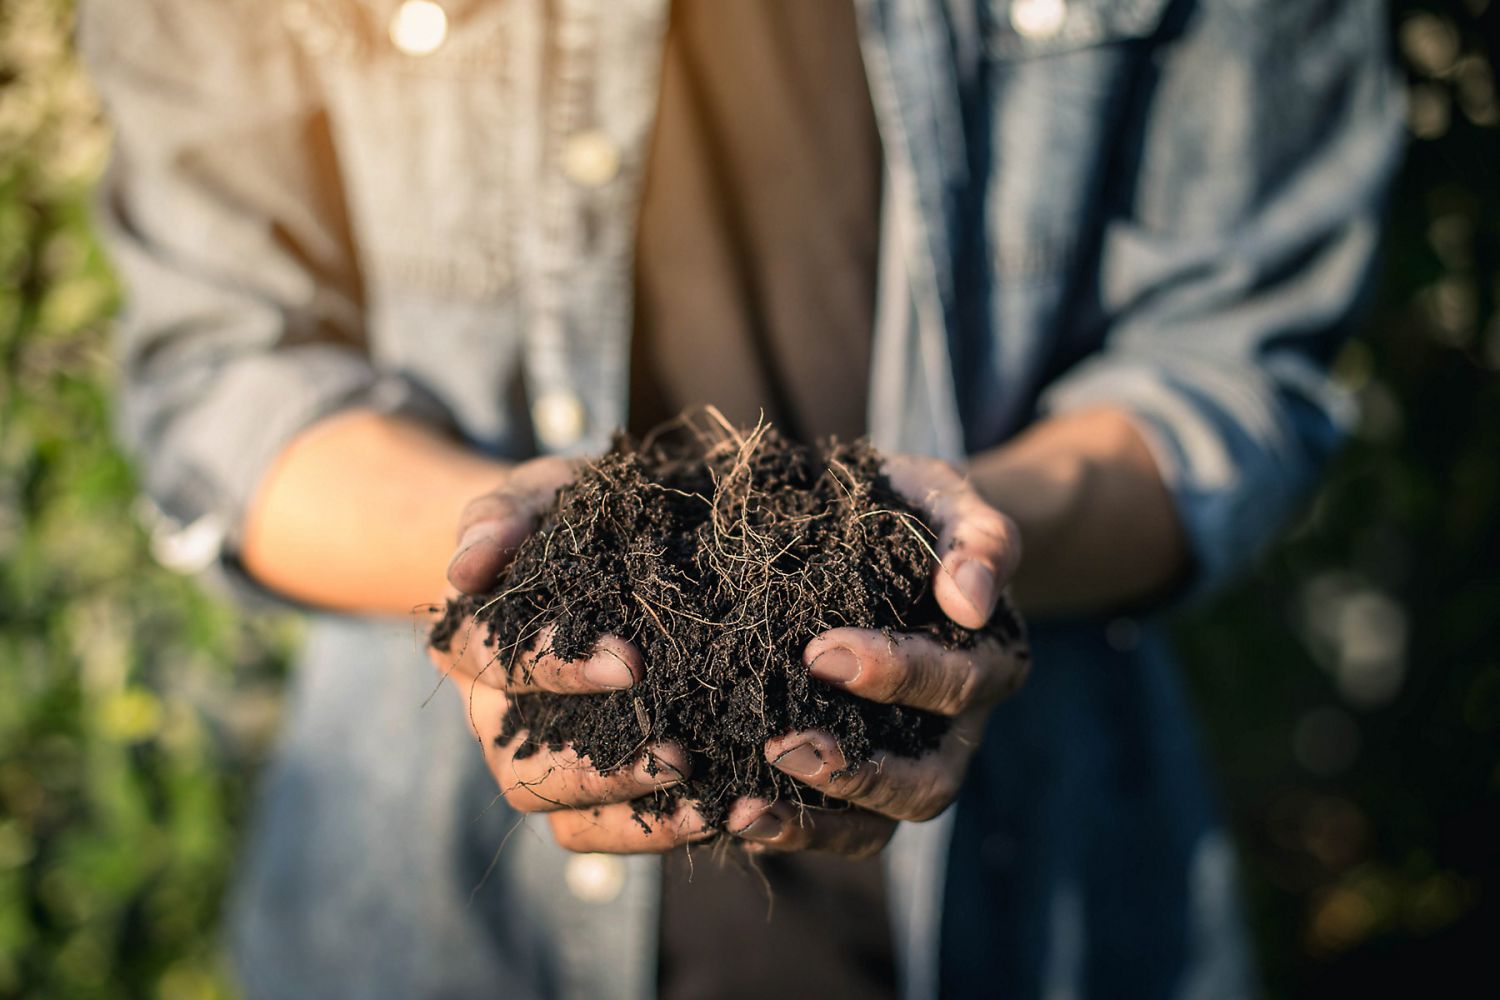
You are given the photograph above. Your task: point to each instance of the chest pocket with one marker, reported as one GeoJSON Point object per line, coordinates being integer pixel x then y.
{"type": "Point", "coordinates": [423, 101]}
{"type": "Point", "coordinates": [1019, 29]}
{"type": "Point", "coordinates": [1058, 72]}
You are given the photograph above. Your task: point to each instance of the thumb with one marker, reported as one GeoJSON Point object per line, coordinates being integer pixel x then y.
{"type": "Point", "coordinates": [484, 550]}
{"type": "Point", "coordinates": [494, 525]}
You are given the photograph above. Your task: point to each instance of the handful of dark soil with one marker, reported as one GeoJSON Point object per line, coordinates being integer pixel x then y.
{"type": "Point", "coordinates": [719, 554]}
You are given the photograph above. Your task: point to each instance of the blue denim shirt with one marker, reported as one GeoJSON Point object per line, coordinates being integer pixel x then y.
{"type": "Point", "coordinates": [1167, 206]}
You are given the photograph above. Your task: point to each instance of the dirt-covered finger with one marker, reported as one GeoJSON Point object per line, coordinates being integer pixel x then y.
{"type": "Point", "coordinates": [492, 526]}
{"type": "Point", "coordinates": [981, 551]}
{"type": "Point", "coordinates": [469, 656]}
{"type": "Point", "coordinates": [483, 707]}
{"type": "Point", "coordinates": [928, 483]}
{"type": "Point", "coordinates": [783, 827]}
{"type": "Point", "coordinates": [615, 829]}
{"type": "Point", "coordinates": [613, 665]}
{"type": "Point", "coordinates": [897, 787]}
{"type": "Point", "coordinates": [914, 670]}
{"type": "Point", "coordinates": [561, 779]}
{"type": "Point", "coordinates": [978, 547]}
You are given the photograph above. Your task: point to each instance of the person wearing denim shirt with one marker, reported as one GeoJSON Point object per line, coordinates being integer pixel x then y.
{"type": "Point", "coordinates": [1166, 210]}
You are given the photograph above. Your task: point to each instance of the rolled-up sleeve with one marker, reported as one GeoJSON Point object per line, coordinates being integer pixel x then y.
{"type": "Point", "coordinates": [223, 213]}
{"type": "Point", "coordinates": [1242, 237]}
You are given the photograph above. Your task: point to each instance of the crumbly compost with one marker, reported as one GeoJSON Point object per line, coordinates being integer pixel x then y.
{"type": "Point", "coordinates": [719, 554]}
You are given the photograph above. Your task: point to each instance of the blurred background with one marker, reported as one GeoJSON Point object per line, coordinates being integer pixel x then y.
{"type": "Point", "coordinates": [1350, 689]}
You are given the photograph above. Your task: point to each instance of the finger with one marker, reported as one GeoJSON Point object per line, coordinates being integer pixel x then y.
{"type": "Point", "coordinates": [493, 526]}
{"type": "Point", "coordinates": [917, 671]}
{"type": "Point", "coordinates": [613, 665]}
{"type": "Point", "coordinates": [615, 829]}
{"type": "Point", "coordinates": [561, 779]}
{"type": "Point", "coordinates": [899, 787]}
{"type": "Point", "coordinates": [484, 710]}
{"type": "Point", "coordinates": [979, 547]}
{"type": "Point", "coordinates": [782, 827]}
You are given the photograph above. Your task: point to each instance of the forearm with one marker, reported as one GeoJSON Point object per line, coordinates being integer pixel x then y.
{"type": "Point", "coordinates": [1097, 524]}
{"type": "Point", "coordinates": [359, 514]}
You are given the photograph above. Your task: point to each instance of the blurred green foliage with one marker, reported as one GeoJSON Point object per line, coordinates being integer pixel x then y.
{"type": "Point", "coordinates": [131, 705]}
{"type": "Point", "coordinates": [1351, 688]}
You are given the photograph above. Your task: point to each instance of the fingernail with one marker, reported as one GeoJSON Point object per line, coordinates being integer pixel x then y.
{"type": "Point", "coordinates": [977, 584]}
{"type": "Point", "coordinates": [476, 533]}
{"type": "Point", "coordinates": [838, 665]}
{"type": "Point", "coordinates": [766, 827]}
{"type": "Point", "coordinates": [803, 760]}
{"type": "Point", "coordinates": [606, 670]}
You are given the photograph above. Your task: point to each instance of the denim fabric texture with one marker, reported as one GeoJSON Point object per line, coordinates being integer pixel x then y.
{"type": "Point", "coordinates": [1170, 206]}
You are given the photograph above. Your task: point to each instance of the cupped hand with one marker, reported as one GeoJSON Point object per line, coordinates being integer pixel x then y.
{"type": "Point", "coordinates": [980, 550]}
{"type": "Point", "coordinates": [588, 811]}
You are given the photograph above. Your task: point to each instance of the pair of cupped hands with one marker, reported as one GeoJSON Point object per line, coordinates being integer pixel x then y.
{"type": "Point", "coordinates": [980, 551]}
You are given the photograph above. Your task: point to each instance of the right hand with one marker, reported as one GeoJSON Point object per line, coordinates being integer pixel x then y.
{"type": "Point", "coordinates": [588, 811]}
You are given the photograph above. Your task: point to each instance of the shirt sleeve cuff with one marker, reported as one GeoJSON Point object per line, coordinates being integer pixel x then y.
{"type": "Point", "coordinates": [223, 446]}
{"type": "Point", "coordinates": [1238, 451]}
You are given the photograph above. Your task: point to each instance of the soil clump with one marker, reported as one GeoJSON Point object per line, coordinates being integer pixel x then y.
{"type": "Point", "coordinates": [719, 553]}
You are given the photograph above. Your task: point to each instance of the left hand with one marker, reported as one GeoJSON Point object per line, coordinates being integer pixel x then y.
{"type": "Point", "coordinates": [980, 550]}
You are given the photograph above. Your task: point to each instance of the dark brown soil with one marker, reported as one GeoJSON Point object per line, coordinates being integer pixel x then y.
{"type": "Point", "coordinates": [720, 554]}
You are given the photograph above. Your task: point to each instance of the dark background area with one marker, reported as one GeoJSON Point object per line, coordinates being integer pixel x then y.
{"type": "Point", "coordinates": [1350, 688]}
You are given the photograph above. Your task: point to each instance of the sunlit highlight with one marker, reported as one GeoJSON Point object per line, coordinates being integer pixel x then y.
{"type": "Point", "coordinates": [419, 27]}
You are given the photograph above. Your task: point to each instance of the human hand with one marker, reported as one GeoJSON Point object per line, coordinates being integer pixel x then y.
{"type": "Point", "coordinates": [980, 550]}
{"type": "Point", "coordinates": [588, 811]}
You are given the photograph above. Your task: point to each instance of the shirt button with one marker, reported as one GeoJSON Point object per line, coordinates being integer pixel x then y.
{"type": "Point", "coordinates": [1038, 19]}
{"type": "Point", "coordinates": [591, 159]}
{"type": "Point", "coordinates": [594, 878]}
{"type": "Point", "coordinates": [558, 417]}
{"type": "Point", "coordinates": [419, 27]}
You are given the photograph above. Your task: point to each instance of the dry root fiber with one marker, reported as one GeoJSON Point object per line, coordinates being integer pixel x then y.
{"type": "Point", "coordinates": [719, 554]}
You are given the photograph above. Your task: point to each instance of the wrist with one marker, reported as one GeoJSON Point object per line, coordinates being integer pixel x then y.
{"type": "Point", "coordinates": [1040, 490]}
{"type": "Point", "coordinates": [360, 512]}
{"type": "Point", "coordinates": [1100, 529]}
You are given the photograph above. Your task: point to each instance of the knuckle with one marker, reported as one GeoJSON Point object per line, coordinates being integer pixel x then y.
{"type": "Point", "coordinates": [947, 473]}
{"type": "Point", "coordinates": [863, 782]}
{"type": "Point", "coordinates": [984, 526]}
{"type": "Point", "coordinates": [910, 680]}
{"type": "Point", "coordinates": [936, 796]}
{"type": "Point", "coordinates": [799, 834]}
{"type": "Point", "coordinates": [913, 808]}
{"type": "Point", "coordinates": [889, 796]}
{"type": "Point", "coordinates": [903, 684]}
{"type": "Point", "coordinates": [497, 506]}
{"type": "Point", "coordinates": [974, 686]}
{"type": "Point", "coordinates": [929, 683]}
{"type": "Point", "coordinates": [915, 800]}
{"type": "Point", "coordinates": [870, 838]}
